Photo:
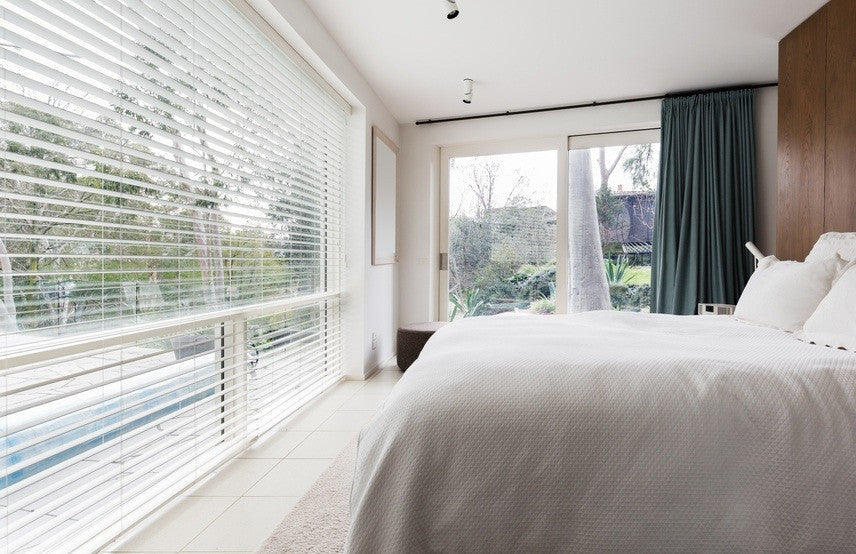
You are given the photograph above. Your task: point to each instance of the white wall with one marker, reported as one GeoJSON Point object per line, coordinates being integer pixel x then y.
{"type": "Point", "coordinates": [371, 292]}
{"type": "Point", "coordinates": [420, 178]}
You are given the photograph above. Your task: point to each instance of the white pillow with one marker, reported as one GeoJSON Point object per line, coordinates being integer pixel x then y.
{"type": "Point", "coordinates": [830, 244]}
{"type": "Point", "coordinates": [783, 295]}
{"type": "Point", "coordinates": [834, 321]}
{"type": "Point", "coordinates": [844, 269]}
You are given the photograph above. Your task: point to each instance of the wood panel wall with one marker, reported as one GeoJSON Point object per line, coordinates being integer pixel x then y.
{"type": "Point", "coordinates": [817, 129]}
{"type": "Point", "coordinates": [802, 137]}
{"type": "Point", "coordinates": [840, 212]}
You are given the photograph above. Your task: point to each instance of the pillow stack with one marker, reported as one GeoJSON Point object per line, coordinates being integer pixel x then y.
{"type": "Point", "coordinates": [815, 299]}
{"type": "Point", "coordinates": [784, 295]}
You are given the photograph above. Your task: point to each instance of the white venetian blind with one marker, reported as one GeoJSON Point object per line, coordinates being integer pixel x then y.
{"type": "Point", "coordinates": [170, 231]}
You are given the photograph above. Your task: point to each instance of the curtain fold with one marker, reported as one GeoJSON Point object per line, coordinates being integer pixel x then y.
{"type": "Point", "coordinates": [705, 201]}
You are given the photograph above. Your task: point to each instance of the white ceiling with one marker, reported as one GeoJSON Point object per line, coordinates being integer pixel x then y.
{"type": "Point", "coordinates": [536, 53]}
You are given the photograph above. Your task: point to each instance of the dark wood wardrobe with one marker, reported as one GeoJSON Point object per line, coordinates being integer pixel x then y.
{"type": "Point", "coordinates": [817, 129]}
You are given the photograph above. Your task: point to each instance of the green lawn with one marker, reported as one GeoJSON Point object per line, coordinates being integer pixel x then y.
{"type": "Point", "coordinates": [638, 275]}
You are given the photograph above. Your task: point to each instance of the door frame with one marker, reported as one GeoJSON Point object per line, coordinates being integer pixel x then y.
{"type": "Point", "coordinates": [560, 146]}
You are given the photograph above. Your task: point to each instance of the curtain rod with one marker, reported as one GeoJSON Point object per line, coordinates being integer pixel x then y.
{"type": "Point", "coordinates": [593, 104]}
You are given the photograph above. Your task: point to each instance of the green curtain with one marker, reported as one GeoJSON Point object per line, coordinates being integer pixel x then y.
{"type": "Point", "coordinates": [705, 201]}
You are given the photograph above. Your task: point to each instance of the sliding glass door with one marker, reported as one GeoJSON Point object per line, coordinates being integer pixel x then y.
{"type": "Point", "coordinates": [500, 228]}
{"type": "Point", "coordinates": [524, 229]}
{"type": "Point", "coordinates": [611, 189]}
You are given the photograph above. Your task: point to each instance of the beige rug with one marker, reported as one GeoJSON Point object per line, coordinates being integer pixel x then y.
{"type": "Point", "coordinates": [318, 524]}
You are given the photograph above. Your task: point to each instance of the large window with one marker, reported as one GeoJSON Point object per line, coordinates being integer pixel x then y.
{"type": "Point", "coordinates": [524, 229]}
{"type": "Point", "coordinates": [170, 225]}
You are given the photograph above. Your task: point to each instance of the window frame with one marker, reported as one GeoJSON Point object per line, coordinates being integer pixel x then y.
{"type": "Point", "coordinates": [561, 145]}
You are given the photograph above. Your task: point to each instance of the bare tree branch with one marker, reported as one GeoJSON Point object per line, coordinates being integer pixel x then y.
{"type": "Point", "coordinates": [606, 173]}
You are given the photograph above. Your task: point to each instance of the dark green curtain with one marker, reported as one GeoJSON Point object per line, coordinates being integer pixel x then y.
{"type": "Point", "coordinates": [705, 201]}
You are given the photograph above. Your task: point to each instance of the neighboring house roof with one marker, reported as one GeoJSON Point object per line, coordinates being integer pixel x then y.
{"type": "Point", "coordinates": [525, 213]}
{"type": "Point", "coordinates": [542, 210]}
{"type": "Point", "coordinates": [632, 193]}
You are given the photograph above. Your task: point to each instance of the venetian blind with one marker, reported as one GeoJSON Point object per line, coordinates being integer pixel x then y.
{"type": "Point", "coordinates": [170, 234]}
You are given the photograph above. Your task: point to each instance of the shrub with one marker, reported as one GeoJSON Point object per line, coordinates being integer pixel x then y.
{"type": "Point", "coordinates": [540, 283]}
{"type": "Point", "coordinates": [639, 296]}
{"type": "Point", "coordinates": [468, 303]}
{"type": "Point", "coordinates": [496, 278]}
{"type": "Point", "coordinates": [543, 306]}
{"type": "Point", "coordinates": [618, 293]}
{"type": "Point", "coordinates": [616, 271]}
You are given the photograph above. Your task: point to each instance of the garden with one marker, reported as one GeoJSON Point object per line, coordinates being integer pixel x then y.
{"type": "Point", "coordinates": [532, 288]}
{"type": "Point", "coordinates": [502, 252]}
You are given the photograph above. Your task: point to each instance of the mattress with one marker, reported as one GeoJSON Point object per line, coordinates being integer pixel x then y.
{"type": "Point", "coordinates": [611, 431]}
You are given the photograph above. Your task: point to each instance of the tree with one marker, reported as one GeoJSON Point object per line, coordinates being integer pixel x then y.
{"type": "Point", "coordinates": [641, 166]}
{"type": "Point", "coordinates": [204, 212]}
{"type": "Point", "coordinates": [588, 287]}
{"type": "Point", "coordinates": [606, 169]}
{"type": "Point", "coordinates": [482, 222]}
{"type": "Point", "coordinates": [33, 232]}
{"type": "Point", "coordinates": [470, 242]}
{"type": "Point", "coordinates": [610, 209]}
{"type": "Point", "coordinates": [609, 206]}
{"type": "Point", "coordinates": [480, 176]}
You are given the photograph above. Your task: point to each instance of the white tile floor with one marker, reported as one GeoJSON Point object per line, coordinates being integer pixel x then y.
{"type": "Point", "coordinates": [238, 508]}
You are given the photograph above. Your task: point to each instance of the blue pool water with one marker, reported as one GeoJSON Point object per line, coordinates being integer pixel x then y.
{"type": "Point", "coordinates": [162, 392]}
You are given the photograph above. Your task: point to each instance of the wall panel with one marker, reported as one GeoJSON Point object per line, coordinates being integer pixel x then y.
{"type": "Point", "coordinates": [840, 190]}
{"type": "Point", "coordinates": [802, 135]}
{"type": "Point", "coordinates": [817, 129]}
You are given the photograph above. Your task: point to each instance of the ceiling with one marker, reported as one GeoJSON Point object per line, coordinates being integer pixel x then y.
{"type": "Point", "coordinates": [537, 53]}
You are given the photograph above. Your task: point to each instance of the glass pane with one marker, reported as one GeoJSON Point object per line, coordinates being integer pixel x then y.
{"type": "Point", "coordinates": [611, 226]}
{"type": "Point", "coordinates": [502, 234]}
{"type": "Point", "coordinates": [152, 169]}
{"type": "Point", "coordinates": [83, 431]}
{"type": "Point", "coordinates": [164, 178]}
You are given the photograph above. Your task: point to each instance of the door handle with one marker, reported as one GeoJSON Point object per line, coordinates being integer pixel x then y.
{"type": "Point", "coordinates": [444, 261]}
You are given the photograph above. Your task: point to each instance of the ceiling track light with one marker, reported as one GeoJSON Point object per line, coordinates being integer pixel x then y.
{"type": "Point", "coordinates": [468, 91]}
{"type": "Point", "coordinates": [451, 9]}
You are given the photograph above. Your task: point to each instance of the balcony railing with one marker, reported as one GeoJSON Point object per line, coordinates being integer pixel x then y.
{"type": "Point", "coordinates": [101, 429]}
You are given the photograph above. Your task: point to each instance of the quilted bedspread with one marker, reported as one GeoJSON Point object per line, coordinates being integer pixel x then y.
{"type": "Point", "coordinates": [611, 431]}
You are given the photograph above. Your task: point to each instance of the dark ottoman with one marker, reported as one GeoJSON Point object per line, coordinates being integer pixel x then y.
{"type": "Point", "coordinates": [411, 339]}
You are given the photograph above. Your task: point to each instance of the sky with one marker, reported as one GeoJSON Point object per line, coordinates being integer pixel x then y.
{"type": "Point", "coordinates": [538, 169]}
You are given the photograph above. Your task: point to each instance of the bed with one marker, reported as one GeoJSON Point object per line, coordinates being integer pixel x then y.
{"type": "Point", "coordinates": [611, 431]}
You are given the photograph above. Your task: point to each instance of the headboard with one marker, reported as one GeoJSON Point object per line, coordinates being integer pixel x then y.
{"type": "Point", "coordinates": [817, 129]}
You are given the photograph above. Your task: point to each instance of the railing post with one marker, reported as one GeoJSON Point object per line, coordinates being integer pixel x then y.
{"type": "Point", "coordinates": [232, 363]}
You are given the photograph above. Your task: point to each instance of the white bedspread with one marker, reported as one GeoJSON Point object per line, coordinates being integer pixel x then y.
{"type": "Point", "coordinates": [612, 431]}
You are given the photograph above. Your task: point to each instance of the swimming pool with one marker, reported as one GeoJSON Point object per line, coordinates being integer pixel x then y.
{"type": "Point", "coordinates": [74, 426]}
